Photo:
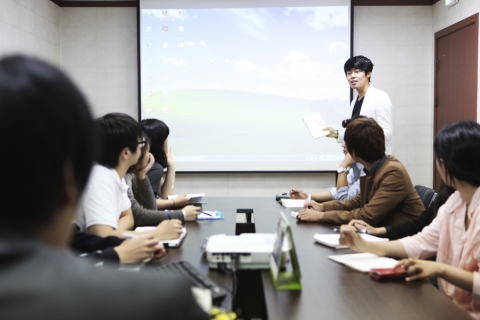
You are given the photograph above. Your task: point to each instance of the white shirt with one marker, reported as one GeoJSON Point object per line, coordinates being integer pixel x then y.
{"type": "Point", "coordinates": [376, 105]}
{"type": "Point", "coordinates": [104, 199]}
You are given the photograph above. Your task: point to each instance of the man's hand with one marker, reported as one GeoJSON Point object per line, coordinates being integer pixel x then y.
{"type": "Point", "coordinates": [310, 215]}
{"type": "Point", "coordinates": [170, 159]}
{"type": "Point", "coordinates": [181, 200]}
{"type": "Point", "coordinates": [314, 205]}
{"type": "Point", "coordinates": [168, 230]}
{"type": "Point", "coordinates": [137, 249]}
{"type": "Point", "coordinates": [347, 161]}
{"type": "Point", "coordinates": [298, 194]}
{"type": "Point", "coordinates": [142, 173]}
{"type": "Point", "coordinates": [419, 269]}
{"type": "Point", "coordinates": [191, 213]}
{"type": "Point", "coordinates": [333, 132]}
{"type": "Point", "coordinates": [349, 237]}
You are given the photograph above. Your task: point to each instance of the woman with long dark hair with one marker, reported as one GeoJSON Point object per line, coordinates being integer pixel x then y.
{"type": "Point", "coordinates": [162, 184]}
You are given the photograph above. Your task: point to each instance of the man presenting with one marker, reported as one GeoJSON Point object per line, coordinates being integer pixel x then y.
{"type": "Point", "coordinates": [370, 101]}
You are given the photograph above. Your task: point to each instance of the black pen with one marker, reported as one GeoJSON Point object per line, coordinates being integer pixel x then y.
{"type": "Point", "coordinates": [208, 214]}
{"type": "Point", "coordinates": [362, 231]}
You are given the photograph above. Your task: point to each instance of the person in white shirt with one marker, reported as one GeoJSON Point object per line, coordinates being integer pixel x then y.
{"type": "Point", "coordinates": [105, 209]}
{"type": "Point", "coordinates": [369, 101]}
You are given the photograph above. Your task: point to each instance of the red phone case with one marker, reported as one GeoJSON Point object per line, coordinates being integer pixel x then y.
{"type": "Point", "coordinates": [388, 273]}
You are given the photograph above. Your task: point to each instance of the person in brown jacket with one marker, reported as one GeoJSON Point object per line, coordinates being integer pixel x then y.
{"type": "Point", "coordinates": [387, 195]}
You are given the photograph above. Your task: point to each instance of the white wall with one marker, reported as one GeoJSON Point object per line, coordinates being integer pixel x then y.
{"type": "Point", "coordinates": [446, 16]}
{"type": "Point", "coordinates": [399, 41]}
{"type": "Point", "coordinates": [99, 50]}
{"type": "Point", "coordinates": [30, 27]}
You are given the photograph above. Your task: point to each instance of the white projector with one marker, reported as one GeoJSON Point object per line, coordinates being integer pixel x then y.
{"type": "Point", "coordinates": [253, 250]}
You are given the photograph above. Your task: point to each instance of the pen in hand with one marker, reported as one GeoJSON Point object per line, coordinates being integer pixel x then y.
{"type": "Point", "coordinates": [362, 231]}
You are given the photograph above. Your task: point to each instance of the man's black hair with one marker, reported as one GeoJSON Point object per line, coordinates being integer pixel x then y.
{"type": "Point", "coordinates": [115, 132]}
{"type": "Point", "coordinates": [45, 123]}
{"type": "Point", "coordinates": [359, 62]}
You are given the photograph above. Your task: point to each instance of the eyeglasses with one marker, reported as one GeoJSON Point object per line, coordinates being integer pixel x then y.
{"type": "Point", "coordinates": [141, 143]}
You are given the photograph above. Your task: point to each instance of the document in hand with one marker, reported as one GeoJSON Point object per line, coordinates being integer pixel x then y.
{"type": "Point", "coordinates": [174, 243]}
{"type": "Point", "coordinates": [211, 215]}
{"type": "Point", "coordinates": [293, 203]}
{"type": "Point", "coordinates": [364, 262]}
{"type": "Point", "coordinates": [315, 124]}
{"type": "Point", "coordinates": [194, 197]}
{"type": "Point", "coordinates": [332, 240]}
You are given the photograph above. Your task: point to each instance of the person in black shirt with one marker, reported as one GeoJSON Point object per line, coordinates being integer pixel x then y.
{"type": "Point", "coordinates": [409, 228]}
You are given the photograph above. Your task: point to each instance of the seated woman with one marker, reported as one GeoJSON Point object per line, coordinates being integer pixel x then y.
{"type": "Point", "coordinates": [144, 206]}
{"type": "Point", "coordinates": [162, 185]}
{"type": "Point", "coordinates": [408, 228]}
{"type": "Point", "coordinates": [454, 235]}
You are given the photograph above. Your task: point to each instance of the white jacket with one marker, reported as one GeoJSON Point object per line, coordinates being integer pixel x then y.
{"type": "Point", "coordinates": [376, 105]}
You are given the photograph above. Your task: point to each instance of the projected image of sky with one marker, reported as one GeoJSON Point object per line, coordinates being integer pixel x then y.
{"type": "Point", "coordinates": [291, 52]}
{"type": "Point", "coordinates": [249, 73]}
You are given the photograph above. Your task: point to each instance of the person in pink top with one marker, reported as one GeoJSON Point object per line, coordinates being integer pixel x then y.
{"type": "Point", "coordinates": [454, 235]}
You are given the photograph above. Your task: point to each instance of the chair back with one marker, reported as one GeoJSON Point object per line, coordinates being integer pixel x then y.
{"type": "Point", "coordinates": [427, 195]}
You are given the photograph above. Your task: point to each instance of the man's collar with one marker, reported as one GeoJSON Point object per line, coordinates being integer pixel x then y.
{"type": "Point", "coordinates": [376, 165]}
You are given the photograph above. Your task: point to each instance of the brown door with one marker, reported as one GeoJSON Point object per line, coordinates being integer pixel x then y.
{"type": "Point", "coordinates": [456, 60]}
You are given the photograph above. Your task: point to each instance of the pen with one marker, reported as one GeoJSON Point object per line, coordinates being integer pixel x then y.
{"type": "Point", "coordinates": [208, 214]}
{"type": "Point", "coordinates": [309, 197]}
{"type": "Point", "coordinates": [169, 217]}
{"type": "Point", "coordinates": [362, 231]}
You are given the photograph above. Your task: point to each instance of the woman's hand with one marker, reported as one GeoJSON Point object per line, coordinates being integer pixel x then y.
{"type": "Point", "coordinates": [349, 237]}
{"type": "Point", "coordinates": [170, 159]}
{"type": "Point", "coordinates": [362, 225]}
{"type": "Point", "coordinates": [419, 269]}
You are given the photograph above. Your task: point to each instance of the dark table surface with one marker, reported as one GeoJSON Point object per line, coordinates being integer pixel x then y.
{"type": "Point", "coordinates": [329, 289]}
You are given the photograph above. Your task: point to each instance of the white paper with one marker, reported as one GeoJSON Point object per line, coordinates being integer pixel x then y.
{"type": "Point", "coordinates": [172, 242]}
{"type": "Point", "coordinates": [364, 262]}
{"type": "Point", "coordinates": [293, 203]}
{"type": "Point", "coordinates": [294, 214]}
{"type": "Point", "coordinates": [315, 124]}
{"type": "Point", "coordinates": [194, 197]}
{"type": "Point", "coordinates": [332, 240]}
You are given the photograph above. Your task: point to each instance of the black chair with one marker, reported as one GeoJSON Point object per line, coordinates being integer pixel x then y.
{"type": "Point", "coordinates": [427, 195]}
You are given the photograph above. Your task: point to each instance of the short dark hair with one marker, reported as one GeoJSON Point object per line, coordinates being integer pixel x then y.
{"type": "Point", "coordinates": [366, 137]}
{"type": "Point", "coordinates": [359, 62]}
{"type": "Point", "coordinates": [458, 146]}
{"type": "Point", "coordinates": [45, 123]}
{"type": "Point", "coordinates": [115, 132]}
{"type": "Point", "coordinates": [346, 122]}
{"type": "Point", "coordinates": [158, 132]}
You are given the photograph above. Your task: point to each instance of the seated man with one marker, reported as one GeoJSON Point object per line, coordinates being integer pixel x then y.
{"type": "Point", "coordinates": [387, 195]}
{"type": "Point", "coordinates": [105, 209]}
{"type": "Point", "coordinates": [348, 179]}
{"type": "Point", "coordinates": [39, 279]}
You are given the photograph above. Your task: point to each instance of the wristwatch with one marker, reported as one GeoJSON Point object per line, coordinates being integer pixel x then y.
{"type": "Point", "coordinates": [341, 169]}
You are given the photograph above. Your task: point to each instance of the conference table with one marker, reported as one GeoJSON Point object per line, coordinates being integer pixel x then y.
{"type": "Point", "coordinates": [329, 289]}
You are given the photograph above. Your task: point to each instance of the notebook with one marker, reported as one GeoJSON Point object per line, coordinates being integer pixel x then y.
{"type": "Point", "coordinates": [332, 240]}
{"type": "Point", "coordinates": [293, 203]}
{"type": "Point", "coordinates": [210, 215]}
{"type": "Point", "coordinates": [364, 262]}
{"type": "Point", "coordinates": [194, 197]}
{"type": "Point", "coordinates": [174, 243]}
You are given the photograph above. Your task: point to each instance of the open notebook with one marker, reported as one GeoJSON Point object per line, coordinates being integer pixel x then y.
{"type": "Point", "coordinates": [174, 243]}
{"type": "Point", "coordinates": [364, 262]}
{"type": "Point", "coordinates": [332, 240]}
